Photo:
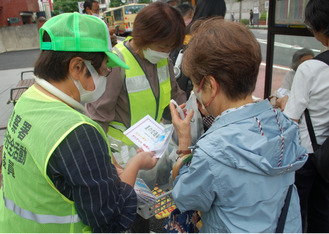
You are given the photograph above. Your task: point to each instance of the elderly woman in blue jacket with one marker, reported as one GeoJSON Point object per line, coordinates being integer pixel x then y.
{"type": "Point", "coordinates": [244, 164]}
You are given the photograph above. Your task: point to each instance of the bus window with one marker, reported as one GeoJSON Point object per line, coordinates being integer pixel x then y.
{"type": "Point", "coordinates": [133, 9]}
{"type": "Point", "coordinates": [118, 15]}
{"type": "Point", "coordinates": [122, 17]}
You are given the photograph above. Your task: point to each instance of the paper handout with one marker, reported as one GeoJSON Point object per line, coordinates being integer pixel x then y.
{"type": "Point", "coordinates": [144, 194]}
{"type": "Point", "coordinates": [150, 135]}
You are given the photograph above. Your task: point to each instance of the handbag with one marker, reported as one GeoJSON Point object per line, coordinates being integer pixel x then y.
{"type": "Point", "coordinates": [321, 152]}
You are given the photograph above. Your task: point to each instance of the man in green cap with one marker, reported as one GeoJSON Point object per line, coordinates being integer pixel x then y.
{"type": "Point", "coordinates": [58, 173]}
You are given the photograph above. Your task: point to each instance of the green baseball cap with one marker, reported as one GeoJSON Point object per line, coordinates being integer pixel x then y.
{"type": "Point", "coordinates": [78, 32]}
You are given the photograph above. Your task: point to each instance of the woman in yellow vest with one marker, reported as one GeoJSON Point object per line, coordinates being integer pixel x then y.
{"type": "Point", "coordinates": [147, 87]}
{"type": "Point", "coordinates": [58, 175]}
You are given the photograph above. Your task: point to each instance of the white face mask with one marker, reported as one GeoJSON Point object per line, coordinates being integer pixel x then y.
{"type": "Point", "coordinates": [95, 14]}
{"type": "Point", "coordinates": [154, 56]}
{"type": "Point", "coordinates": [100, 85]}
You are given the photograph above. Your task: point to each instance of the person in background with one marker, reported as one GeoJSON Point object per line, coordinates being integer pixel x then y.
{"type": "Point", "coordinates": [251, 17]}
{"type": "Point", "coordinates": [148, 86]}
{"type": "Point", "coordinates": [298, 57]}
{"type": "Point", "coordinates": [232, 16]}
{"type": "Point", "coordinates": [204, 9]}
{"type": "Point", "coordinates": [243, 166]}
{"type": "Point", "coordinates": [187, 11]}
{"type": "Point", "coordinates": [91, 7]}
{"type": "Point", "coordinates": [310, 90]}
{"type": "Point", "coordinates": [59, 175]}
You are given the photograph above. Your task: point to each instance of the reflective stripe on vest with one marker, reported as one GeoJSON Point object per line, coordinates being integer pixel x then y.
{"type": "Point", "coordinates": [140, 83]}
{"type": "Point", "coordinates": [37, 217]}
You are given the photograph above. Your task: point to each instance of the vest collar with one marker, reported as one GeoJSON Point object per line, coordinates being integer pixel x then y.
{"type": "Point", "coordinates": [60, 94]}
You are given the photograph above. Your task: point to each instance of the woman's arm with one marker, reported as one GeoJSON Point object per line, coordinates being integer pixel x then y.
{"type": "Point", "coordinates": [193, 189]}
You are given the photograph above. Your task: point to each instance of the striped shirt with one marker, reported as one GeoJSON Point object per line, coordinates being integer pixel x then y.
{"type": "Point", "coordinates": [81, 169]}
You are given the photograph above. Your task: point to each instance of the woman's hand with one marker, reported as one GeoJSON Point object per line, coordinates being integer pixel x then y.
{"type": "Point", "coordinates": [142, 161]}
{"type": "Point", "coordinates": [139, 150]}
{"type": "Point", "coordinates": [281, 102]}
{"type": "Point", "coordinates": [146, 160]}
{"type": "Point", "coordinates": [182, 127]}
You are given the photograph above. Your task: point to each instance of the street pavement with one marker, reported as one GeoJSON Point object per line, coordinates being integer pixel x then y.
{"type": "Point", "coordinates": [11, 66]}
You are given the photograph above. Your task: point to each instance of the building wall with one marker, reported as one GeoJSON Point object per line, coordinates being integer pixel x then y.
{"type": "Point", "coordinates": [22, 37]}
{"type": "Point", "coordinates": [14, 8]}
{"type": "Point", "coordinates": [233, 6]}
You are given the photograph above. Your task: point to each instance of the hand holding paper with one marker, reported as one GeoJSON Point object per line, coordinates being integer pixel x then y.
{"type": "Point", "coordinates": [150, 135]}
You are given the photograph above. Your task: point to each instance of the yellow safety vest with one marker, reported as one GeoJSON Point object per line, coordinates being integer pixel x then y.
{"type": "Point", "coordinates": [140, 94]}
{"type": "Point", "coordinates": [29, 200]}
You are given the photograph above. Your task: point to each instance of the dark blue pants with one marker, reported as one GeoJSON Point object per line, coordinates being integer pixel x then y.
{"type": "Point", "coordinates": [314, 198]}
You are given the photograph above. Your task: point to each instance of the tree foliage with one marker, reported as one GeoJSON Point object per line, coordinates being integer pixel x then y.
{"type": "Point", "coordinates": [144, 1]}
{"type": "Point", "coordinates": [64, 6]}
{"type": "Point", "coordinates": [116, 3]}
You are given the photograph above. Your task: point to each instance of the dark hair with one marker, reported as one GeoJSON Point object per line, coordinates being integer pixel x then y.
{"type": "Point", "coordinates": [89, 4]}
{"type": "Point", "coordinates": [158, 22]}
{"type": "Point", "coordinates": [317, 16]}
{"type": "Point", "coordinates": [54, 65]}
{"type": "Point", "coordinates": [298, 55]}
{"type": "Point", "coordinates": [208, 8]}
{"type": "Point", "coordinates": [227, 51]}
{"type": "Point", "coordinates": [185, 8]}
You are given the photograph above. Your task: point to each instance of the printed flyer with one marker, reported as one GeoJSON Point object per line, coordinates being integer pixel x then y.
{"type": "Point", "coordinates": [150, 135]}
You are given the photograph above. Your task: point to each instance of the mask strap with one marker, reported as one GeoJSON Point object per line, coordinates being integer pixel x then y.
{"type": "Point", "coordinates": [200, 85]}
{"type": "Point", "coordinates": [213, 96]}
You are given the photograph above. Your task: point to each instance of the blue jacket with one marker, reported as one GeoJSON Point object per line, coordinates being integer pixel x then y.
{"type": "Point", "coordinates": [241, 170]}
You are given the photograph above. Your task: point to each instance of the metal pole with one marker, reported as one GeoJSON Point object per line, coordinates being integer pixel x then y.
{"type": "Point", "coordinates": [270, 50]}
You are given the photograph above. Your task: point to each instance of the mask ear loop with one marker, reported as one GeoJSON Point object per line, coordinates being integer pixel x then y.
{"type": "Point", "coordinates": [212, 99]}
{"type": "Point", "coordinates": [201, 84]}
{"type": "Point", "coordinates": [93, 72]}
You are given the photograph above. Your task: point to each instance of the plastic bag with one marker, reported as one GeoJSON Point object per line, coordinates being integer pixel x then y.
{"type": "Point", "coordinates": [160, 174]}
{"type": "Point", "coordinates": [196, 122]}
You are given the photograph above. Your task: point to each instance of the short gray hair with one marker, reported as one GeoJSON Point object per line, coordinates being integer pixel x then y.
{"type": "Point", "coordinates": [298, 55]}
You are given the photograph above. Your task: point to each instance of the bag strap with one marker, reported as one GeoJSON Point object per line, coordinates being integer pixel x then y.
{"type": "Point", "coordinates": [284, 211]}
{"type": "Point", "coordinates": [324, 57]}
{"type": "Point", "coordinates": [310, 129]}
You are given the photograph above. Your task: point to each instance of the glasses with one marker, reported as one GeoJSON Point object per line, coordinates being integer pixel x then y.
{"type": "Point", "coordinates": [107, 71]}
